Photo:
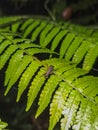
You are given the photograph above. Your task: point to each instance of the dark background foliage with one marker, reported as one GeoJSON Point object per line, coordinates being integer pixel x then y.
{"type": "Point", "coordinates": [77, 11]}
{"type": "Point", "coordinates": [82, 12]}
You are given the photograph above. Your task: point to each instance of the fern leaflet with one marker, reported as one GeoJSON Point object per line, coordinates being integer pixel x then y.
{"type": "Point", "coordinates": [26, 77]}
{"type": "Point", "coordinates": [4, 45]}
{"type": "Point", "coordinates": [90, 58]}
{"type": "Point", "coordinates": [6, 55]}
{"type": "Point", "coordinates": [47, 93]}
{"type": "Point", "coordinates": [57, 105]}
{"type": "Point", "coordinates": [22, 65]}
{"type": "Point", "coordinates": [57, 39]}
{"type": "Point", "coordinates": [38, 30]}
{"type": "Point", "coordinates": [50, 36]}
{"type": "Point", "coordinates": [35, 87]}
{"type": "Point", "coordinates": [30, 28]}
{"type": "Point", "coordinates": [44, 33]}
{"type": "Point", "coordinates": [66, 42]}
{"type": "Point", "coordinates": [13, 66]}
{"type": "Point", "coordinates": [81, 51]}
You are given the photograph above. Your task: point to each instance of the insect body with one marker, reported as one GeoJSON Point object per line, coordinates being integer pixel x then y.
{"type": "Point", "coordinates": [49, 71]}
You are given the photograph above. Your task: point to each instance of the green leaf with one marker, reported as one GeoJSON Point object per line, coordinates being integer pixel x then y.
{"type": "Point", "coordinates": [65, 44]}
{"type": "Point", "coordinates": [26, 77]}
{"type": "Point", "coordinates": [26, 23]}
{"type": "Point", "coordinates": [1, 38]}
{"type": "Point", "coordinates": [57, 39]}
{"type": "Point", "coordinates": [38, 30]}
{"type": "Point", "coordinates": [49, 88]}
{"type": "Point", "coordinates": [73, 73]}
{"type": "Point", "coordinates": [45, 32]}
{"type": "Point", "coordinates": [3, 125]}
{"type": "Point", "coordinates": [50, 36]}
{"type": "Point", "coordinates": [6, 55]}
{"type": "Point", "coordinates": [35, 87]}
{"type": "Point", "coordinates": [47, 93]}
{"type": "Point", "coordinates": [82, 118]}
{"type": "Point", "coordinates": [33, 51]}
{"type": "Point", "coordinates": [81, 51]}
{"type": "Point", "coordinates": [30, 28]}
{"type": "Point", "coordinates": [9, 19]}
{"type": "Point", "coordinates": [69, 111]}
{"type": "Point", "coordinates": [73, 47]}
{"type": "Point", "coordinates": [90, 58]}
{"type": "Point", "coordinates": [15, 27]}
{"type": "Point", "coordinates": [4, 44]}
{"type": "Point", "coordinates": [85, 81]}
{"type": "Point", "coordinates": [13, 65]}
{"type": "Point", "coordinates": [71, 92]}
{"type": "Point", "coordinates": [57, 105]}
{"type": "Point", "coordinates": [22, 65]}
{"type": "Point", "coordinates": [28, 44]}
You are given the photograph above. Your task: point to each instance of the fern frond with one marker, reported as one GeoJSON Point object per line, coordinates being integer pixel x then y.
{"type": "Point", "coordinates": [49, 88]}
{"type": "Point", "coordinates": [88, 101]}
{"type": "Point", "coordinates": [90, 58]}
{"type": "Point", "coordinates": [4, 44]}
{"type": "Point", "coordinates": [38, 30]}
{"type": "Point", "coordinates": [21, 66]}
{"type": "Point", "coordinates": [1, 39]}
{"type": "Point", "coordinates": [25, 44]}
{"type": "Point", "coordinates": [26, 77]}
{"type": "Point", "coordinates": [50, 36]}
{"type": "Point", "coordinates": [35, 87]}
{"type": "Point", "coordinates": [3, 125]}
{"type": "Point", "coordinates": [47, 93]}
{"type": "Point", "coordinates": [6, 55]}
{"type": "Point", "coordinates": [13, 65]}
{"type": "Point", "coordinates": [58, 63]}
{"type": "Point", "coordinates": [71, 91]}
{"type": "Point", "coordinates": [81, 51]}
{"type": "Point", "coordinates": [26, 23]}
{"type": "Point", "coordinates": [84, 31]}
{"type": "Point", "coordinates": [73, 43]}
{"type": "Point", "coordinates": [57, 39]}
{"type": "Point", "coordinates": [15, 27]}
{"type": "Point", "coordinates": [95, 34]}
{"type": "Point", "coordinates": [87, 116]}
{"type": "Point", "coordinates": [31, 27]}
{"type": "Point", "coordinates": [58, 103]}
{"type": "Point", "coordinates": [70, 75]}
{"type": "Point", "coordinates": [74, 73]}
{"type": "Point", "coordinates": [65, 44]}
{"type": "Point", "coordinates": [88, 86]}
{"type": "Point", "coordinates": [94, 118]}
{"type": "Point", "coordinates": [33, 51]}
{"type": "Point", "coordinates": [45, 32]}
{"type": "Point", "coordinates": [74, 46]}
{"type": "Point", "coordinates": [69, 111]}
{"type": "Point", "coordinates": [5, 20]}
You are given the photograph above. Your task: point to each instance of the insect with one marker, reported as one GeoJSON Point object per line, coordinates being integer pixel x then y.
{"type": "Point", "coordinates": [49, 71]}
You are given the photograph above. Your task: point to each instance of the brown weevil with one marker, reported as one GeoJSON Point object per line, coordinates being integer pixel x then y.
{"type": "Point", "coordinates": [49, 71]}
